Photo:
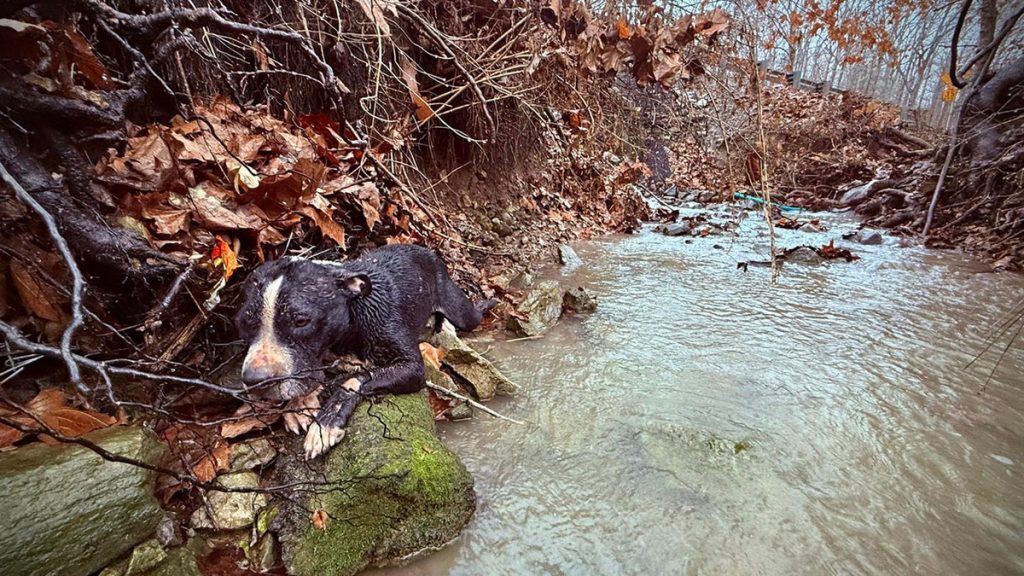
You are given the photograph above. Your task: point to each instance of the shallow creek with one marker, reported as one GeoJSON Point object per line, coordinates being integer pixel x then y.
{"type": "Point", "coordinates": [705, 421]}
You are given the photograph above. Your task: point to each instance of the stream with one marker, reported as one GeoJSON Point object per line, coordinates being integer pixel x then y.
{"type": "Point", "coordinates": [705, 421]}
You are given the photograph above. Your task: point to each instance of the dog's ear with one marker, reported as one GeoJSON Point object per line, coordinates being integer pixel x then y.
{"type": "Point", "coordinates": [358, 285]}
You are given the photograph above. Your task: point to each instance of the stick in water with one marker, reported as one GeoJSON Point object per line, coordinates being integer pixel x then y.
{"type": "Point", "coordinates": [471, 402]}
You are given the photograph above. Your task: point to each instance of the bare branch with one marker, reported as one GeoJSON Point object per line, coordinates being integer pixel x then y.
{"type": "Point", "coordinates": [78, 286]}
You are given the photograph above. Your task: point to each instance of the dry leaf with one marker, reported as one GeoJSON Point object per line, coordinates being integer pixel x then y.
{"type": "Point", "coordinates": [223, 256]}
{"type": "Point", "coordinates": [319, 519]}
{"type": "Point", "coordinates": [423, 110]}
{"type": "Point", "coordinates": [51, 407]}
{"type": "Point", "coordinates": [244, 424]}
{"type": "Point", "coordinates": [216, 461]}
{"type": "Point", "coordinates": [39, 297]}
{"type": "Point", "coordinates": [431, 355]}
{"type": "Point", "coordinates": [372, 9]}
{"type": "Point", "coordinates": [325, 222]}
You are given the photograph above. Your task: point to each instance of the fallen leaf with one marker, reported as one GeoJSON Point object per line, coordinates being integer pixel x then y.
{"type": "Point", "coordinates": [326, 223]}
{"type": "Point", "coordinates": [623, 29]}
{"type": "Point", "coordinates": [235, 428]}
{"type": "Point", "coordinates": [319, 519]}
{"type": "Point", "coordinates": [208, 466]}
{"type": "Point", "coordinates": [431, 354]}
{"type": "Point", "coordinates": [223, 256]}
{"type": "Point", "coordinates": [51, 407]}
{"type": "Point", "coordinates": [79, 51]}
{"type": "Point", "coordinates": [40, 298]}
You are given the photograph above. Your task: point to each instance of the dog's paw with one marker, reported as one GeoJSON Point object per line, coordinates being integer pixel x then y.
{"type": "Point", "coordinates": [299, 412]}
{"type": "Point", "coordinates": [320, 439]}
{"type": "Point", "coordinates": [297, 422]}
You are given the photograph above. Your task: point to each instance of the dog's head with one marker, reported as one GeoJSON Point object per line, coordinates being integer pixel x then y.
{"type": "Point", "coordinates": [293, 310]}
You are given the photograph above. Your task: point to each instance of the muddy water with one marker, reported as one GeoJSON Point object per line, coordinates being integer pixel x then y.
{"type": "Point", "coordinates": [704, 421]}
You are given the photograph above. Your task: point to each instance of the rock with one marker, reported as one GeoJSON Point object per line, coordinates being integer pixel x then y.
{"type": "Point", "coordinates": [145, 557]}
{"type": "Point", "coordinates": [811, 227]}
{"type": "Point", "coordinates": [501, 228]}
{"type": "Point", "coordinates": [522, 281]}
{"type": "Point", "coordinates": [675, 229]}
{"type": "Point", "coordinates": [168, 533]}
{"type": "Point", "coordinates": [803, 255]}
{"type": "Point", "coordinates": [149, 560]}
{"type": "Point", "coordinates": [868, 237]}
{"type": "Point", "coordinates": [179, 562]}
{"type": "Point", "coordinates": [541, 308]}
{"type": "Point", "coordinates": [404, 493]}
{"type": "Point", "coordinates": [263, 555]}
{"type": "Point", "coordinates": [856, 195]}
{"type": "Point", "coordinates": [67, 511]}
{"type": "Point", "coordinates": [251, 454]}
{"type": "Point", "coordinates": [471, 366]}
{"type": "Point", "coordinates": [671, 192]}
{"type": "Point", "coordinates": [231, 510]}
{"type": "Point", "coordinates": [706, 196]}
{"type": "Point", "coordinates": [568, 258]}
{"type": "Point", "coordinates": [859, 194]}
{"type": "Point", "coordinates": [435, 375]}
{"type": "Point", "coordinates": [578, 299]}
{"type": "Point", "coordinates": [461, 411]}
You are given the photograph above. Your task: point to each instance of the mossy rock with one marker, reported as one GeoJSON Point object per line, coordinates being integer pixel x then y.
{"type": "Point", "coordinates": [395, 491]}
{"type": "Point", "coordinates": [67, 511]}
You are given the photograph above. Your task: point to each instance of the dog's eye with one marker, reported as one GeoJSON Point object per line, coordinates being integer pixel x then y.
{"type": "Point", "coordinates": [302, 322]}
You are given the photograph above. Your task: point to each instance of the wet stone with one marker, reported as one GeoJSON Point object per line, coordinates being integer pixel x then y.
{"type": "Point", "coordinates": [868, 237]}
{"type": "Point", "coordinates": [578, 299]}
{"type": "Point", "coordinates": [675, 229]}
{"type": "Point", "coordinates": [231, 510]}
{"type": "Point", "coordinates": [251, 454]}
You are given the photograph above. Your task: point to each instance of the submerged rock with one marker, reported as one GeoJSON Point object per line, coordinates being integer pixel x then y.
{"type": "Point", "coordinates": [803, 255]}
{"type": "Point", "coordinates": [397, 491]}
{"type": "Point", "coordinates": [578, 299]}
{"type": "Point", "coordinates": [541, 309]}
{"type": "Point", "coordinates": [478, 372]}
{"type": "Point", "coordinates": [68, 511]}
{"type": "Point", "coordinates": [675, 229]}
{"type": "Point", "coordinates": [231, 510]}
{"type": "Point", "coordinates": [868, 237]}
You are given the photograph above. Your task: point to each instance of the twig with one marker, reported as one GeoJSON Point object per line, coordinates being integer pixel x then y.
{"type": "Point", "coordinates": [78, 286]}
{"type": "Point", "coordinates": [207, 17]}
{"type": "Point", "coordinates": [14, 338]}
{"type": "Point", "coordinates": [471, 402]}
{"type": "Point", "coordinates": [1008, 25]}
{"type": "Point", "coordinates": [443, 44]}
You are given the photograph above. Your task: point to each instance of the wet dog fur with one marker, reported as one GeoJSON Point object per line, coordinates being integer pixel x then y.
{"type": "Point", "coordinates": [296, 310]}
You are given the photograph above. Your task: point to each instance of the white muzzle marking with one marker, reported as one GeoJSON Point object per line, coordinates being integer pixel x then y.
{"type": "Point", "coordinates": [266, 354]}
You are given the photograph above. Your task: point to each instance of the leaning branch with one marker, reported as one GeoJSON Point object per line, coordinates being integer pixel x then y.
{"type": "Point", "coordinates": [1008, 25]}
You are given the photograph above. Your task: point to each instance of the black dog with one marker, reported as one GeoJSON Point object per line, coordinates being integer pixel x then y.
{"type": "Point", "coordinates": [375, 307]}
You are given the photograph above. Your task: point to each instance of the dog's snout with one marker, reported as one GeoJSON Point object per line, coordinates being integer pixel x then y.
{"type": "Point", "coordinates": [253, 375]}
